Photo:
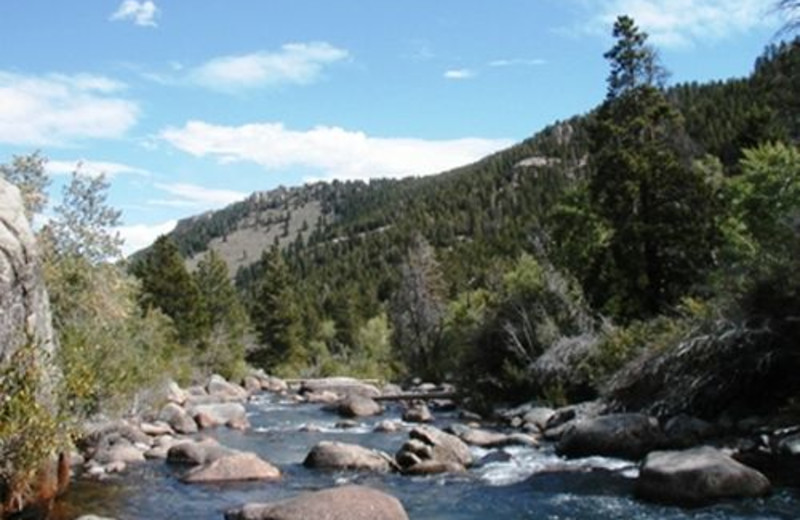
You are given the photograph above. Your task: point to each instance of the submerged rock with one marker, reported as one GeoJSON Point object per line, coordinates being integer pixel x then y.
{"type": "Point", "coordinates": [343, 503]}
{"type": "Point", "coordinates": [696, 477]}
{"type": "Point", "coordinates": [628, 436]}
{"type": "Point", "coordinates": [339, 455]}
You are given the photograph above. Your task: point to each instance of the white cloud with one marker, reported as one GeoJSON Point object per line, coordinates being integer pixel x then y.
{"type": "Point", "coordinates": [294, 63]}
{"type": "Point", "coordinates": [192, 195]}
{"type": "Point", "coordinates": [92, 168]}
{"type": "Point", "coordinates": [141, 13]}
{"type": "Point", "coordinates": [517, 62]}
{"type": "Point", "coordinates": [334, 152]}
{"type": "Point", "coordinates": [57, 109]}
{"type": "Point", "coordinates": [139, 236]}
{"type": "Point", "coordinates": [682, 23]}
{"type": "Point", "coordinates": [459, 74]}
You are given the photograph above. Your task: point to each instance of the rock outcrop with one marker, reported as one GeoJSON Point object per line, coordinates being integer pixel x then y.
{"type": "Point", "coordinates": [343, 503]}
{"type": "Point", "coordinates": [25, 320]}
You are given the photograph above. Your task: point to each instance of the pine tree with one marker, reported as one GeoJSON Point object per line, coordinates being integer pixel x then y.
{"type": "Point", "coordinates": [222, 316]}
{"type": "Point", "coordinates": [655, 205]}
{"type": "Point", "coordinates": [275, 317]}
{"type": "Point", "coordinates": [167, 285]}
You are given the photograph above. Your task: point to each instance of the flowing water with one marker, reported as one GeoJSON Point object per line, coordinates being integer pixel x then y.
{"type": "Point", "coordinates": [510, 483]}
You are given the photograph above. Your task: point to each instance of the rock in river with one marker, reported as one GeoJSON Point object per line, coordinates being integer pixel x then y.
{"type": "Point", "coordinates": [696, 477]}
{"type": "Point", "coordinates": [628, 436]}
{"type": "Point", "coordinates": [343, 503]}
{"type": "Point", "coordinates": [339, 455]}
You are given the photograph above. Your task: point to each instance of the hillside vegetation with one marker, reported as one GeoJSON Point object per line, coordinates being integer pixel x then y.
{"type": "Point", "coordinates": [606, 246]}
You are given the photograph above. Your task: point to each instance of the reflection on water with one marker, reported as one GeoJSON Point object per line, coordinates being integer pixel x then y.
{"type": "Point", "coordinates": [514, 483]}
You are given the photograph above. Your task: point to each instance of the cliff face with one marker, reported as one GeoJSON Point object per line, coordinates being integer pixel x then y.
{"type": "Point", "coordinates": [24, 305]}
{"type": "Point", "coordinates": [25, 319]}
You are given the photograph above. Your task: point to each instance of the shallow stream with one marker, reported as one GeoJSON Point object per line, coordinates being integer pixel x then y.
{"type": "Point", "coordinates": [515, 483]}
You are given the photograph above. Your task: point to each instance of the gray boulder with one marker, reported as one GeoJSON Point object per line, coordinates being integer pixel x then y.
{"type": "Point", "coordinates": [538, 417]}
{"type": "Point", "coordinates": [683, 431]}
{"type": "Point", "coordinates": [343, 503]}
{"type": "Point", "coordinates": [436, 449]}
{"type": "Point", "coordinates": [339, 385]}
{"type": "Point", "coordinates": [177, 418]}
{"type": "Point", "coordinates": [628, 436]}
{"type": "Point", "coordinates": [233, 467]}
{"type": "Point", "coordinates": [197, 452]}
{"type": "Point", "coordinates": [224, 390]}
{"type": "Point", "coordinates": [355, 405]}
{"type": "Point", "coordinates": [696, 477]}
{"type": "Point", "coordinates": [218, 414]}
{"type": "Point", "coordinates": [418, 413]}
{"type": "Point", "coordinates": [339, 455]}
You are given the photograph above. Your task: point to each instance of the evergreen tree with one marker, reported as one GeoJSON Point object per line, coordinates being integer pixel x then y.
{"type": "Point", "coordinates": [655, 205]}
{"type": "Point", "coordinates": [222, 317]}
{"type": "Point", "coordinates": [275, 317]}
{"type": "Point", "coordinates": [167, 285]}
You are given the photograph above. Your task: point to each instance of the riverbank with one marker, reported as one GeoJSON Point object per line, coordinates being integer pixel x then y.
{"type": "Point", "coordinates": [504, 481]}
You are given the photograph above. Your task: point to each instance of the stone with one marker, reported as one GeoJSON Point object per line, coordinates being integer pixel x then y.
{"type": "Point", "coordinates": [156, 429]}
{"type": "Point", "coordinates": [233, 467]}
{"type": "Point", "coordinates": [430, 450]}
{"type": "Point", "coordinates": [274, 385]}
{"type": "Point", "coordinates": [122, 451]}
{"type": "Point", "coordinates": [434, 467]}
{"type": "Point", "coordinates": [627, 436]}
{"type": "Point", "coordinates": [211, 415]}
{"type": "Point", "coordinates": [683, 431]}
{"type": "Point", "coordinates": [252, 384]}
{"type": "Point", "coordinates": [489, 439]}
{"type": "Point", "coordinates": [339, 385]}
{"type": "Point", "coordinates": [418, 413]}
{"type": "Point", "coordinates": [222, 389]}
{"type": "Point", "coordinates": [387, 426]}
{"type": "Point", "coordinates": [339, 455]}
{"type": "Point", "coordinates": [197, 452]}
{"type": "Point", "coordinates": [341, 503]}
{"type": "Point", "coordinates": [94, 517]}
{"type": "Point", "coordinates": [177, 418]}
{"type": "Point", "coordinates": [176, 394]}
{"type": "Point", "coordinates": [538, 417]}
{"type": "Point", "coordinates": [356, 405]}
{"type": "Point", "coordinates": [446, 447]}
{"type": "Point", "coordinates": [697, 477]}
{"type": "Point", "coordinates": [324, 397]}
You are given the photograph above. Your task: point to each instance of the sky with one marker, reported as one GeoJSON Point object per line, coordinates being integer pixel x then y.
{"type": "Point", "coordinates": [190, 105]}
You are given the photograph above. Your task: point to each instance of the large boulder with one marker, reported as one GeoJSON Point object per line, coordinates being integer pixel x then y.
{"type": "Point", "coordinates": [197, 452]}
{"type": "Point", "coordinates": [343, 503]}
{"type": "Point", "coordinates": [355, 405]}
{"type": "Point", "coordinates": [418, 412]}
{"type": "Point", "coordinates": [628, 436]}
{"type": "Point", "coordinates": [217, 414]}
{"type": "Point", "coordinates": [489, 439]}
{"type": "Point", "coordinates": [435, 449]}
{"type": "Point", "coordinates": [696, 477]}
{"type": "Point", "coordinates": [339, 455]}
{"type": "Point", "coordinates": [233, 467]}
{"type": "Point", "coordinates": [339, 385]}
{"type": "Point", "coordinates": [177, 418]}
{"type": "Point", "coordinates": [221, 389]}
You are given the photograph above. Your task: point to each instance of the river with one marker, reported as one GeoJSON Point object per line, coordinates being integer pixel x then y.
{"type": "Point", "coordinates": [512, 483]}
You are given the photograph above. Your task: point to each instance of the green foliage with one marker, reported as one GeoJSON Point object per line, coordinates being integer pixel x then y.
{"type": "Point", "coordinates": [85, 223]}
{"type": "Point", "coordinates": [27, 173]}
{"type": "Point", "coordinates": [168, 286]}
{"type": "Point", "coordinates": [223, 318]}
{"type": "Point", "coordinates": [30, 430]}
{"type": "Point", "coordinates": [275, 317]}
{"type": "Point", "coordinates": [658, 210]}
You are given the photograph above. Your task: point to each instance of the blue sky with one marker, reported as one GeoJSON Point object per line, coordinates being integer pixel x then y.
{"type": "Point", "coordinates": [189, 105]}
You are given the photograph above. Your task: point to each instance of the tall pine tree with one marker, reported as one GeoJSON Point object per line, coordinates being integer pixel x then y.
{"type": "Point", "coordinates": [655, 205]}
{"type": "Point", "coordinates": [275, 316]}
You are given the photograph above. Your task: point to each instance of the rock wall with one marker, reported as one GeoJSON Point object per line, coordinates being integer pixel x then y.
{"type": "Point", "coordinates": [24, 305]}
{"type": "Point", "coordinates": [25, 316]}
